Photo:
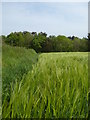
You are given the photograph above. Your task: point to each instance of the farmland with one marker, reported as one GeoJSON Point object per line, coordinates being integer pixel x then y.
{"type": "Point", "coordinates": [55, 86]}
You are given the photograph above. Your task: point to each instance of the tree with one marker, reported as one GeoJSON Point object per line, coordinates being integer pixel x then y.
{"type": "Point", "coordinates": [41, 43]}
{"type": "Point", "coordinates": [38, 41]}
{"type": "Point", "coordinates": [63, 44]}
{"type": "Point", "coordinates": [12, 39]}
{"type": "Point", "coordinates": [28, 37]}
{"type": "Point", "coordinates": [76, 44]}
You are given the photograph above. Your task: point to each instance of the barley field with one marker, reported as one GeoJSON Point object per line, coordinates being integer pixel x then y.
{"type": "Point", "coordinates": [56, 87]}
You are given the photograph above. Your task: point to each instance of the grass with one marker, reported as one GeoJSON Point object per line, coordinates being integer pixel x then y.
{"type": "Point", "coordinates": [0, 77]}
{"type": "Point", "coordinates": [56, 87]}
{"type": "Point", "coordinates": [16, 62]}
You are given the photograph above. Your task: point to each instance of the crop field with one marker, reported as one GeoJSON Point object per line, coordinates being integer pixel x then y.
{"type": "Point", "coordinates": [55, 87]}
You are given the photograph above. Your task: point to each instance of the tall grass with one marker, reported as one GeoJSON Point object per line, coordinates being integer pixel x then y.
{"type": "Point", "coordinates": [0, 78]}
{"type": "Point", "coordinates": [57, 87]}
{"type": "Point", "coordinates": [16, 62]}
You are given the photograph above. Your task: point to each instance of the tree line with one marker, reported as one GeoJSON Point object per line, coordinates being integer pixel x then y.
{"type": "Point", "coordinates": [40, 42]}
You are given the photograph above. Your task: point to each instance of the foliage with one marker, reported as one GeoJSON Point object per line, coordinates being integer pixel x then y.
{"type": "Point", "coordinates": [37, 41]}
{"type": "Point", "coordinates": [41, 43]}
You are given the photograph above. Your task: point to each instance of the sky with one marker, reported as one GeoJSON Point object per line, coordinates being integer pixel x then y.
{"type": "Point", "coordinates": [44, 0]}
{"type": "Point", "coordinates": [54, 18]}
{"type": "Point", "coordinates": [89, 17]}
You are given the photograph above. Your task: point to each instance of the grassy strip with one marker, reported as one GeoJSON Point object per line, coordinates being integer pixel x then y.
{"type": "Point", "coordinates": [16, 62]}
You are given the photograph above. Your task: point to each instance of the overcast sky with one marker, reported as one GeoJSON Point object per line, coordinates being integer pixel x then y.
{"type": "Point", "coordinates": [89, 17]}
{"type": "Point", "coordinates": [44, 0]}
{"type": "Point", "coordinates": [52, 18]}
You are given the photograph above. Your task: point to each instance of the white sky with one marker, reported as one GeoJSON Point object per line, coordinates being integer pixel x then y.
{"type": "Point", "coordinates": [89, 17]}
{"type": "Point", "coordinates": [53, 18]}
{"type": "Point", "coordinates": [44, 0]}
